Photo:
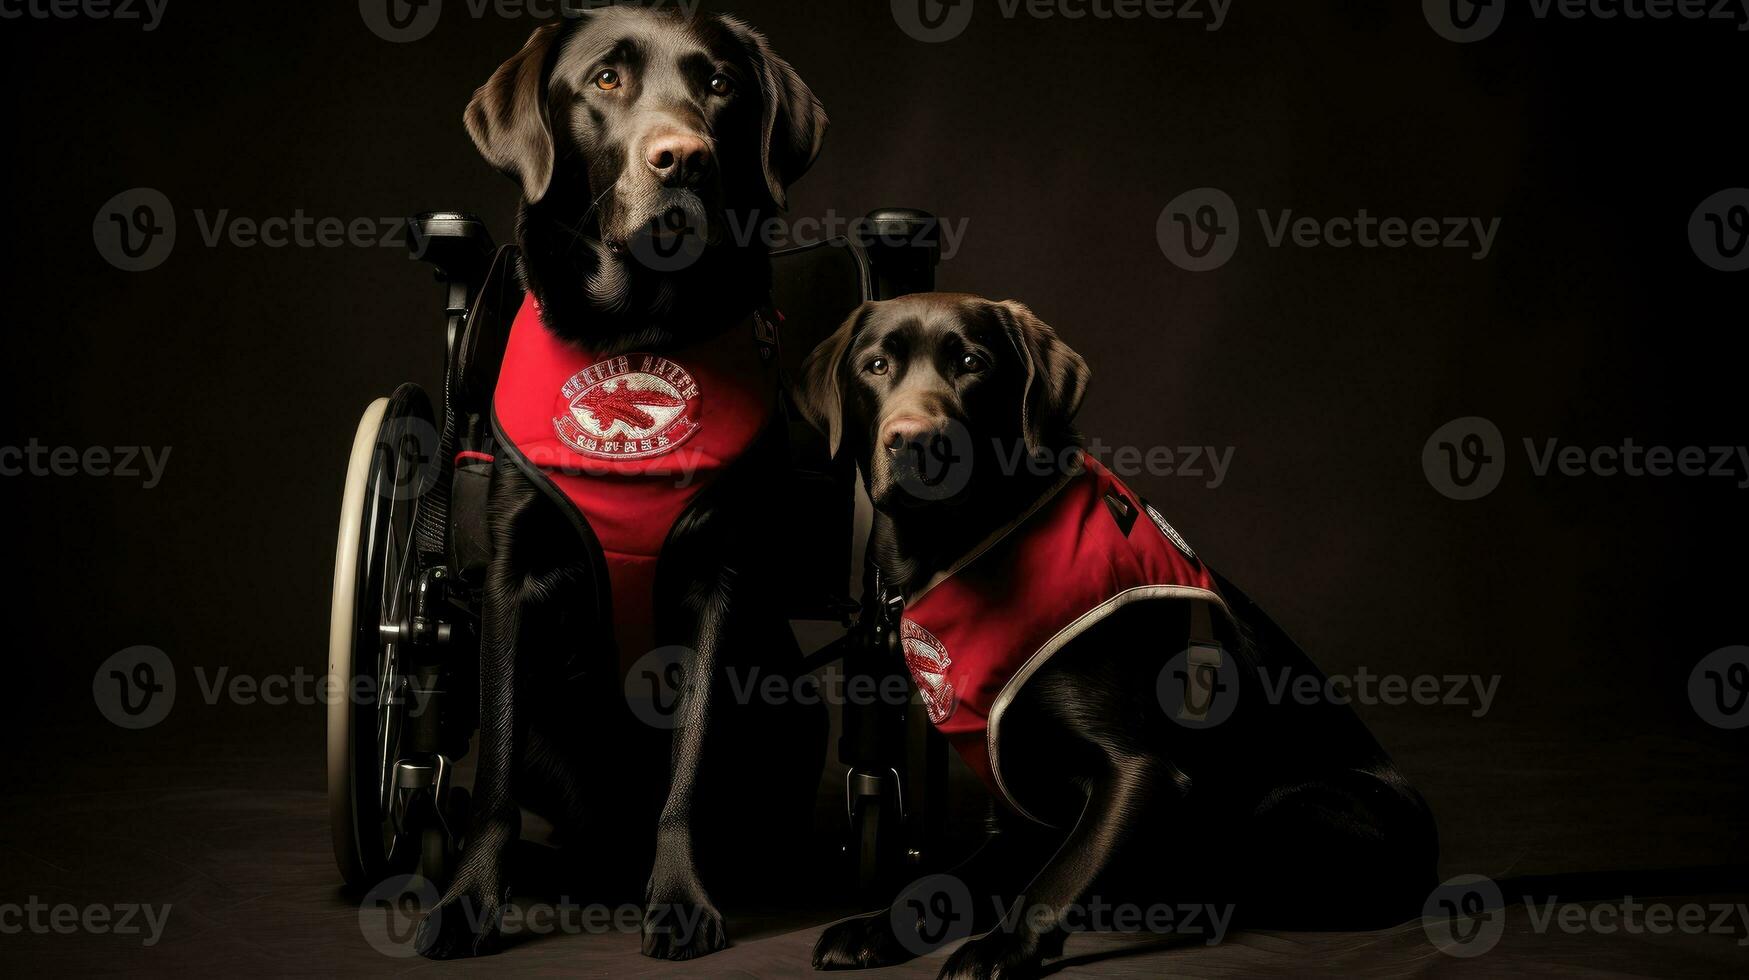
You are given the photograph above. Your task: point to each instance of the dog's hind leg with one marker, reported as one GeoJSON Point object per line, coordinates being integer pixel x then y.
{"type": "Point", "coordinates": [1355, 849]}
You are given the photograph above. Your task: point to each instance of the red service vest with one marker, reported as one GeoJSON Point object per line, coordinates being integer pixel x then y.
{"type": "Point", "coordinates": [632, 439]}
{"type": "Point", "coordinates": [978, 632]}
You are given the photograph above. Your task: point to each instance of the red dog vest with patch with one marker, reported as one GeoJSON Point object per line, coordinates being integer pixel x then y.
{"type": "Point", "coordinates": [979, 631]}
{"type": "Point", "coordinates": [631, 440]}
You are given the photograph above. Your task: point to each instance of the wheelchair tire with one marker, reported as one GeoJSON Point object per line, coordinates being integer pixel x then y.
{"type": "Point", "coordinates": [374, 562]}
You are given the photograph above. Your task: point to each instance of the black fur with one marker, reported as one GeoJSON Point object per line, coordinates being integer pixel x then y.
{"type": "Point", "coordinates": [1291, 813]}
{"type": "Point", "coordinates": [556, 734]}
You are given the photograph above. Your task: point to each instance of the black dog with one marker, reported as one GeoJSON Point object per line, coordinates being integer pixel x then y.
{"type": "Point", "coordinates": [635, 138]}
{"type": "Point", "coordinates": [1287, 814]}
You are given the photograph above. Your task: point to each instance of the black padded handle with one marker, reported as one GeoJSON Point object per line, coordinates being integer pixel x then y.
{"type": "Point", "coordinates": [458, 244]}
{"type": "Point", "coordinates": [904, 247]}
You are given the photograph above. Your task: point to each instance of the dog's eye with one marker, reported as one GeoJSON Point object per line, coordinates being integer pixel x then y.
{"type": "Point", "coordinates": [607, 79]}
{"type": "Point", "coordinates": [972, 364]}
{"type": "Point", "coordinates": [877, 366]}
{"type": "Point", "coordinates": [722, 84]}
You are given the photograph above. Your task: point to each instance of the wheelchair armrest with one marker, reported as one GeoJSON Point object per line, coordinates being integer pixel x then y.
{"type": "Point", "coordinates": [904, 247]}
{"type": "Point", "coordinates": [458, 245]}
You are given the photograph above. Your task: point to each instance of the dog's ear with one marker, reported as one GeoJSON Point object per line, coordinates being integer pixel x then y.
{"type": "Point", "coordinates": [795, 122]}
{"type": "Point", "coordinates": [1056, 376]}
{"type": "Point", "coordinates": [820, 395]}
{"type": "Point", "coordinates": [508, 116]}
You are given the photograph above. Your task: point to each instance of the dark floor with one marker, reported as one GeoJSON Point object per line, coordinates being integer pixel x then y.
{"type": "Point", "coordinates": [231, 833]}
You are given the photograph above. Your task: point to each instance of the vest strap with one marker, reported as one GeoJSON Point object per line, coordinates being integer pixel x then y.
{"type": "Point", "coordinates": [1203, 662]}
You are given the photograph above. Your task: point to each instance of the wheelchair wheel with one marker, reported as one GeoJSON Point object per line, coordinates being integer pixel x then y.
{"type": "Point", "coordinates": [375, 565]}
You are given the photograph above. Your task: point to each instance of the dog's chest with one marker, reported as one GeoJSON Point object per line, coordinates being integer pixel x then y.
{"type": "Point", "coordinates": [631, 440]}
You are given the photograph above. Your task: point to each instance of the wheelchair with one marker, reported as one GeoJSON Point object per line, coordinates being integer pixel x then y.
{"type": "Point", "coordinates": [413, 549]}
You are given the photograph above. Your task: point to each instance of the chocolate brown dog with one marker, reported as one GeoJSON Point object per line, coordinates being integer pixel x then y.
{"type": "Point", "coordinates": [1086, 663]}
{"type": "Point", "coordinates": [636, 438]}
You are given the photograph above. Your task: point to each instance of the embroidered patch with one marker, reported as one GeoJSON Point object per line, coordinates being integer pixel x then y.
{"type": "Point", "coordinates": [927, 659]}
{"type": "Point", "coordinates": [633, 406]}
{"type": "Point", "coordinates": [1171, 532]}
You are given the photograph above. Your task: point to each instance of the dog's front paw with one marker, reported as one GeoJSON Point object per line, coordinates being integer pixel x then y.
{"type": "Point", "coordinates": [999, 955]}
{"type": "Point", "coordinates": [465, 923]}
{"type": "Point", "coordinates": [860, 943]}
{"type": "Point", "coordinates": [680, 923]}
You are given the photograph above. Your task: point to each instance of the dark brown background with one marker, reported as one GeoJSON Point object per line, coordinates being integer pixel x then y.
{"type": "Point", "coordinates": [1059, 142]}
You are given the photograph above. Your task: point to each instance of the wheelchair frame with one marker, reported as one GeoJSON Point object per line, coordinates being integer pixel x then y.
{"type": "Point", "coordinates": [404, 637]}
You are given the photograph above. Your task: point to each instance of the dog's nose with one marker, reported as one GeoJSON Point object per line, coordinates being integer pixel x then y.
{"type": "Point", "coordinates": [678, 159]}
{"type": "Point", "coordinates": [906, 430]}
